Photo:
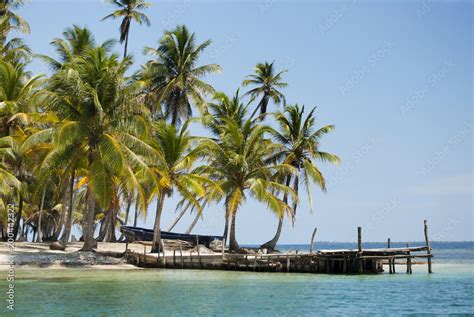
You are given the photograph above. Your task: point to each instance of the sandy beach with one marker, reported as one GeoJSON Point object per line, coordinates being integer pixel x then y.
{"type": "Point", "coordinates": [27, 254]}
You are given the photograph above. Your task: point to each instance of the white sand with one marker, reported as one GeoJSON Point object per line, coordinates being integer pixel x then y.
{"type": "Point", "coordinates": [39, 255]}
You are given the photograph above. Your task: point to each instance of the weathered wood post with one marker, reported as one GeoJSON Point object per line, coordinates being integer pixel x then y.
{"type": "Point", "coordinates": [223, 247]}
{"type": "Point", "coordinates": [408, 261]}
{"type": "Point", "coordinates": [428, 250]}
{"type": "Point", "coordinates": [311, 248]}
{"type": "Point", "coordinates": [158, 257]}
{"type": "Point", "coordinates": [181, 254]}
{"type": "Point", "coordinates": [359, 247]}
{"type": "Point", "coordinates": [174, 259]}
{"type": "Point", "coordinates": [359, 239]}
{"type": "Point", "coordinates": [389, 259]}
{"type": "Point", "coordinates": [287, 264]}
{"type": "Point", "coordinates": [164, 257]}
{"type": "Point", "coordinates": [199, 252]}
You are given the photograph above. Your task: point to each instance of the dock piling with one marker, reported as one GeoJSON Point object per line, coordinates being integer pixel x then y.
{"type": "Point", "coordinates": [428, 249]}
{"type": "Point", "coordinates": [360, 263]}
{"type": "Point", "coordinates": [311, 251]}
{"type": "Point", "coordinates": [408, 261]}
{"type": "Point", "coordinates": [389, 260]}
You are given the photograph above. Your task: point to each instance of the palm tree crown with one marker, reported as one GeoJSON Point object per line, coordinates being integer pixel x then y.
{"type": "Point", "coordinates": [128, 10]}
{"type": "Point", "coordinates": [301, 145]}
{"type": "Point", "coordinates": [174, 77]}
{"type": "Point", "coordinates": [241, 160]}
{"type": "Point", "coordinates": [267, 82]}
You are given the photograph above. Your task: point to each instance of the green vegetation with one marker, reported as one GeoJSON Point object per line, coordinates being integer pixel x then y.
{"type": "Point", "coordinates": [83, 145]}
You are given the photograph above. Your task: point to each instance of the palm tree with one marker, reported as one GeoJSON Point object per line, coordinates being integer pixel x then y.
{"type": "Point", "coordinates": [18, 92]}
{"type": "Point", "coordinates": [177, 153]}
{"type": "Point", "coordinates": [13, 20]}
{"type": "Point", "coordinates": [174, 77]}
{"type": "Point", "coordinates": [301, 149]}
{"type": "Point", "coordinates": [75, 41]}
{"type": "Point", "coordinates": [18, 161]}
{"type": "Point", "coordinates": [267, 83]}
{"type": "Point", "coordinates": [223, 108]}
{"type": "Point", "coordinates": [102, 126]}
{"type": "Point", "coordinates": [241, 161]}
{"type": "Point", "coordinates": [128, 10]}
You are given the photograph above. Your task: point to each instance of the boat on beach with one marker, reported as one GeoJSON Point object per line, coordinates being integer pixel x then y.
{"type": "Point", "coordinates": [142, 234]}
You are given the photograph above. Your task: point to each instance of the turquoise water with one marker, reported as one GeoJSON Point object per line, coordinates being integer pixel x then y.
{"type": "Point", "coordinates": [90, 292]}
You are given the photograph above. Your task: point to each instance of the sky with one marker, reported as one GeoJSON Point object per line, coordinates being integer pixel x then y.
{"type": "Point", "coordinates": [395, 77]}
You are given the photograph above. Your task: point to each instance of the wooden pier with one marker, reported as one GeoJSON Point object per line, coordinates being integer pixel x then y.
{"type": "Point", "coordinates": [347, 261]}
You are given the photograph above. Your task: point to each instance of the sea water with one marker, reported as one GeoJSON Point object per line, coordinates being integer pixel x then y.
{"type": "Point", "coordinates": [151, 292]}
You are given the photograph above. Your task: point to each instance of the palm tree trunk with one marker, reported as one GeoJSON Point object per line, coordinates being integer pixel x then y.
{"type": "Point", "coordinates": [16, 225]}
{"type": "Point", "coordinates": [226, 223]}
{"type": "Point", "coordinates": [110, 236]}
{"type": "Point", "coordinates": [60, 225]}
{"type": "Point", "coordinates": [270, 245]}
{"type": "Point", "coordinates": [193, 224]}
{"type": "Point", "coordinates": [177, 219]}
{"type": "Point", "coordinates": [104, 225]}
{"type": "Point", "coordinates": [89, 226]}
{"type": "Point", "coordinates": [127, 213]}
{"type": "Point", "coordinates": [126, 44]}
{"type": "Point", "coordinates": [157, 227]}
{"type": "Point", "coordinates": [38, 230]}
{"type": "Point", "coordinates": [67, 229]}
{"type": "Point", "coordinates": [135, 219]}
{"type": "Point", "coordinates": [233, 245]}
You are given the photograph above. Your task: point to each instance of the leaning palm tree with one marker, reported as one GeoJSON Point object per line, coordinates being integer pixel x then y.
{"type": "Point", "coordinates": [176, 155]}
{"type": "Point", "coordinates": [102, 127]}
{"type": "Point", "coordinates": [128, 10]}
{"type": "Point", "coordinates": [241, 161]}
{"type": "Point", "coordinates": [301, 145]}
{"type": "Point", "coordinates": [173, 76]}
{"type": "Point", "coordinates": [267, 83]}
{"type": "Point", "coordinates": [221, 108]}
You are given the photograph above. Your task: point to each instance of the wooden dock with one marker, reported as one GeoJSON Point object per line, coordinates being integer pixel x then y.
{"type": "Point", "coordinates": [346, 261]}
{"type": "Point", "coordinates": [324, 261]}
